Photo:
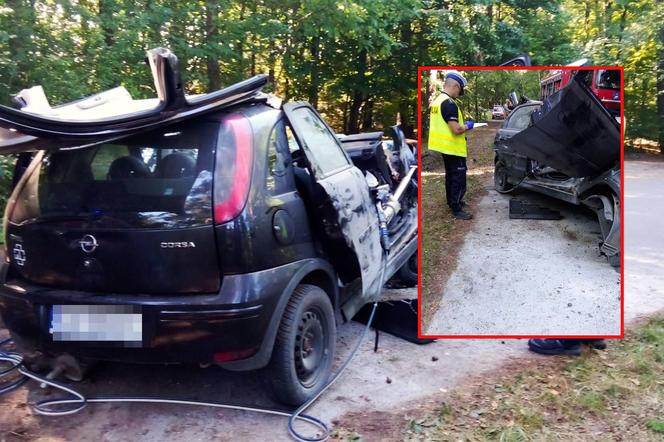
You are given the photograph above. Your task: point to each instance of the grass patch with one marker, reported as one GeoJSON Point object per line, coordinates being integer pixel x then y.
{"type": "Point", "coordinates": [611, 395]}
{"type": "Point", "coordinates": [656, 425]}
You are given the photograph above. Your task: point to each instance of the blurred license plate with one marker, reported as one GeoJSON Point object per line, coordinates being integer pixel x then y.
{"type": "Point", "coordinates": [117, 323]}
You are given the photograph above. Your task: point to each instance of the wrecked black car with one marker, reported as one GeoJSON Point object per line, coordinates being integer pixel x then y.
{"type": "Point", "coordinates": [223, 228]}
{"type": "Point", "coordinates": [567, 147]}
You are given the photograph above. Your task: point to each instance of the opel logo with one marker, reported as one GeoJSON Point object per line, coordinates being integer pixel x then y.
{"type": "Point", "coordinates": [88, 243]}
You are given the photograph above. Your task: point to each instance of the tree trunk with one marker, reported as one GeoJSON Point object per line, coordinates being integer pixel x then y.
{"type": "Point", "coordinates": [404, 113]}
{"type": "Point", "coordinates": [314, 49]}
{"type": "Point", "coordinates": [286, 89]}
{"type": "Point", "coordinates": [367, 114]}
{"type": "Point", "coordinates": [409, 59]}
{"type": "Point", "coordinates": [354, 114]}
{"type": "Point", "coordinates": [421, 43]}
{"type": "Point", "coordinates": [288, 53]}
{"type": "Point", "coordinates": [623, 22]}
{"type": "Point", "coordinates": [271, 62]}
{"type": "Point", "coordinates": [477, 106]}
{"type": "Point", "coordinates": [211, 33]}
{"type": "Point", "coordinates": [345, 115]}
{"type": "Point", "coordinates": [353, 126]}
{"type": "Point", "coordinates": [106, 22]}
{"type": "Point", "coordinates": [252, 39]}
{"type": "Point", "coordinates": [429, 94]}
{"type": "Point", "coordinates": [606, 24]}
{"type": "Point", "coordinates": [240, 45]}
{"type": "Point", "coordinates": [586, 21]}
{"type": "Point", "coordinates": [608, 6]}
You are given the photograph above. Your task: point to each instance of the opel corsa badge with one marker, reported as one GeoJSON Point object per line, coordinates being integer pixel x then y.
{"type": "Point", "coordinates": [88, 243]}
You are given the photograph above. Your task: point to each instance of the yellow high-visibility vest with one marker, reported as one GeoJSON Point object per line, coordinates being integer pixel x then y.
{"type": "Point", "coordinates": [441, 137]}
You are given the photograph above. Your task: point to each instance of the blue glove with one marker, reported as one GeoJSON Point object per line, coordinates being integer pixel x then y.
{"type": "Point", "coordinates": [469, 124]}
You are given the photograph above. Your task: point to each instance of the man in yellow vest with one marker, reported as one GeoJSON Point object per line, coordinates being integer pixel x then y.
{"type": "Point", "coordinates": [446, 135]}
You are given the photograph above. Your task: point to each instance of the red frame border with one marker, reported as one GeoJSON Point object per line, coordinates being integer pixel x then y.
{"type": "Point", "coordinates": [420, 70]}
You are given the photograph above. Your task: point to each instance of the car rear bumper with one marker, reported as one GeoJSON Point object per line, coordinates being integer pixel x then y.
{"type": "Point", "coordinates": [227, 326]}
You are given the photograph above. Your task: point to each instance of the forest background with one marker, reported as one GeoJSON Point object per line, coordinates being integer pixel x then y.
{"type": "Point", "coordinates": [355, 60]}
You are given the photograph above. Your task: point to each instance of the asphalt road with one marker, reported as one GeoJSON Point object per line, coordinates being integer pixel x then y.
{"type": "Point", "coordinates": [644, 238]}
{"type": "Point", "coordinates": [415, 378]}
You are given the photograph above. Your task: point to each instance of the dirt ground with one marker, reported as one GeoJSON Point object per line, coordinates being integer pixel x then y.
{"type": "Point", "coordinates": [363, 400]}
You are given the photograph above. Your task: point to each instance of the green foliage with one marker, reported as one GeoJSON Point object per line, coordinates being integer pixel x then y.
{"type": "Point", "coordinates": [6, 172]}
{"type": "Point", "coordinates": [489, 88]}
{"type": "Point", "coordinates": [355, 60]}
{"type": "Point", "coordinates": [6, 177]}
{"type": "Point", "coordinates": [625, 33]}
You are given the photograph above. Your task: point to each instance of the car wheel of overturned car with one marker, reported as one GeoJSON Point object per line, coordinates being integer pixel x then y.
{"type": "Point", "coordinates": [304, 348]}
{"type": "Point", "coordinates": [500, 179]}
{"type": "Point", "coordinates": [407, 274]}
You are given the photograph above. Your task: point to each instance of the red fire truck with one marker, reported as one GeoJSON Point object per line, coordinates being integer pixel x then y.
{"type": "Point", "coordinates": [605, 84]}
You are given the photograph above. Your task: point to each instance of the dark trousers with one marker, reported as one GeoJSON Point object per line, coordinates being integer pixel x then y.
{"type": "Point", "coordinates": [455, 180]}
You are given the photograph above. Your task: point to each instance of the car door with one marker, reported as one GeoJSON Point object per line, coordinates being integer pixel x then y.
{"type": "Point", "coordinates": [348, 214]}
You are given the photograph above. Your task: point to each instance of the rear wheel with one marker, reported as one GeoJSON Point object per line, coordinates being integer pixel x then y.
{"type": "Point", "coordinates": [407, 274]}
{"type": "Point", "coordinates": [304, 348]}
{"type": "Point", "coordinates": [500, 181]}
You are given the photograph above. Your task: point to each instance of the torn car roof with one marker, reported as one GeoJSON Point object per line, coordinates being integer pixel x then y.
{"type": "Point", "coordinates": [113, 113]}
{"type": "Point", "coordinates": [573, 133]}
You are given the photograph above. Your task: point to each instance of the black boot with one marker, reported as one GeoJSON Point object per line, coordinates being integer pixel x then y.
{"type": "Point", "coordinates": [461, 214]}
{"type": "Point", "coordinates": [597, 344]}
{"type": "Point", "coordinates": [571, 347]}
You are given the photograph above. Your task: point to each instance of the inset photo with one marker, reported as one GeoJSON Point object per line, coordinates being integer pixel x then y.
{"type": "Point", "coordinates": [520, 201]}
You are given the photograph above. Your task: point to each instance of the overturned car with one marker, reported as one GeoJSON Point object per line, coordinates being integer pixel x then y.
{"type": "Point", "coordinates": [224, 228]}
{"type": "Point", "coordinates": [567, 147]}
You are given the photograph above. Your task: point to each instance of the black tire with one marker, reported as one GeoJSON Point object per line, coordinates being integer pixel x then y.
{"type": "Point", "coordinates": [407, 274]}
{"type": "Point", "coordinates": [500, 178]}
{"type": "Point", "coordinates": [303, 352]}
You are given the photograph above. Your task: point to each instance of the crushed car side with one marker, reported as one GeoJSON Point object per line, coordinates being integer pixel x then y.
{"type": "Point", "coordinates": [568, 151]}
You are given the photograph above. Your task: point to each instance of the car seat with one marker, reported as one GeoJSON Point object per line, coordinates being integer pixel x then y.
{"type": "Point", "coordinates": [176, 165]}
{"type": "Point", "coordinates": [128, 167]}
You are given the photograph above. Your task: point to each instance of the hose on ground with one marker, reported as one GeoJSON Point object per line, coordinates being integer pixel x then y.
{"type": "Point", "coordinates": [54, 407]}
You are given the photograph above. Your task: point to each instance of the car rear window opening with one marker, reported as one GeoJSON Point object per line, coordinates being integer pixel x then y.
{"type": "Point", "coordinates": [158, 180]}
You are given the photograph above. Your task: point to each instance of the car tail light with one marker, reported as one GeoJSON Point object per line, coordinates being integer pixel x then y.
{"type": "Point", "coordinates": [233, 174]}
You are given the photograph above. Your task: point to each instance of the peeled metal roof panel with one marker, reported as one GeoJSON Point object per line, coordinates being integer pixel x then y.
{"type": "Point", "coordinates": [113, 114]}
